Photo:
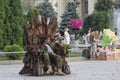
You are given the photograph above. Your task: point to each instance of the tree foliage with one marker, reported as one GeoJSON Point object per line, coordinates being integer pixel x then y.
{"type": "Point", "coordinates": [13, 48]}
{"type": "Point", "coordinates": [70, 13]}
{"type": "Point", "coordinates": [97, 21]}
{"type": "Point", "coordinates": [11, 21]}
{"type": "Point", "coordinates": [101, 18]}
{"type": "Point", "coordinates": [2, 17]}
{"type": "Point", "coordinates": [16, 21]}
{"type": "Point", "coordinates": [46, 7]}
{"type": "Point", "coordinates": [104, 5]}
{"type": "Point", "coordinates": [32, 15]}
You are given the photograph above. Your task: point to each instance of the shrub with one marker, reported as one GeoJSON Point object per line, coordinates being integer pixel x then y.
{"type": "Point", "coordinates": [104, 5]}
{"type": "Point", "coordinates": [13, 48]}
{"type": "Point", "coordinates": [67, 46]}
{"type": "Point", "coordinates": [97, 21]}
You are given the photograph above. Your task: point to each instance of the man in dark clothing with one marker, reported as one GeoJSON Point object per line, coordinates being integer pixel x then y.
{"type": "Point", "coordinates": [50, 56]}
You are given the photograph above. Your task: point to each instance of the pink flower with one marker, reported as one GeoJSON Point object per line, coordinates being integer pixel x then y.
{"type": "Point", "coordinates": [76, 23]}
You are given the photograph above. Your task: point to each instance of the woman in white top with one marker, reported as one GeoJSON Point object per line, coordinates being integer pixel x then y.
{"type": "Point", "coordinates": [67, 36]}
{"type": "Point", "coordinates": [85, 39]}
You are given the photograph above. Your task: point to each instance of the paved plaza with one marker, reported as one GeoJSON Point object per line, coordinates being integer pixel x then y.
{"type": "Point", "coordinates": [81, 70]}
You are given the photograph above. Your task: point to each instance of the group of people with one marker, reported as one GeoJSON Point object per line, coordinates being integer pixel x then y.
{"type": "Point", "coordinates": [93, 39]}
{"type": "Point", "coordinates": [51, 57]}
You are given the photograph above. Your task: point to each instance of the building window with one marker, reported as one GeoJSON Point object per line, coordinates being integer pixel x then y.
{"type": "Point", "coordinates": [86, 6]}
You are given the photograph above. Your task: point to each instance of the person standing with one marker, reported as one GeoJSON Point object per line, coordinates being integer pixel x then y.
{"type": "Point", "coordinates": [67, 36]}
{"type": "Point", "coordinates": [84, 37]}
{"type": "Point", "coordinates": [93, 42]}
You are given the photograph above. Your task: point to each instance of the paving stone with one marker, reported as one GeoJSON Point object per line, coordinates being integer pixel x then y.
{"type": "Point", "coordinates": [81, 70]}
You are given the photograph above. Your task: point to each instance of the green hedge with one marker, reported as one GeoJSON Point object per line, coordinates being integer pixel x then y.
{"type": "Point", "coordinates": [67, 46]}
{"type": "Point", "coordinates": [13, 48]}
{"type": "Point", "coordinates": [97, 21]}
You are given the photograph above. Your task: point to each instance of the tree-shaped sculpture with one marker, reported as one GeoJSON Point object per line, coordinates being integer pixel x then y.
{"type": "Point", "coordinates": [34, 35]}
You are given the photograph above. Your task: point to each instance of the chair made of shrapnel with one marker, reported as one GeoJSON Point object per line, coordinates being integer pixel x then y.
{"type": "Point", "coordinates": [33, 60]}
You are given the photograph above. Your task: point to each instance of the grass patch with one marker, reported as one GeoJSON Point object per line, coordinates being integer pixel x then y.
{"type": "Point", "coordinates": [3, 58]}
{"type": "Point", "coordinates": [71, 54]}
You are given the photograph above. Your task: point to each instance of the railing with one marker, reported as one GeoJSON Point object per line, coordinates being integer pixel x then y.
{"type": "Point", "coordinates": [81, 45]}
{"type": "Point", "coordinates": [2, 53]}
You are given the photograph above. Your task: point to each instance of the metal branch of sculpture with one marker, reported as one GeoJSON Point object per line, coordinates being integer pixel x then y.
{"type": "Point", "coordinates": [33, 35]}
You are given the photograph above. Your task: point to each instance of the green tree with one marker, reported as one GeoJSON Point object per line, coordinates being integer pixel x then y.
{"type": "Point", "coordinates": [101, 18]}
{"type": "Point", "coordinates": [104, 5]}
{"type": "Point", "coordinates": [96, 21]}
{"type": "Point", "coordinates": [70, 13]}
{"type": "Point", "coordinates": [1, 33]}
{"type": "Point", "coordinates": [46, 7]}
{"type": "Point", "coordinates": [12, 22]}
{"type": "Point", "coordinates": [16, 22]}
{"type": "Point", "coordinates": [2, 18]}
{"type": "Point", "coordinates": [104, 8]}
{"type": "Point", "coordinates": [11, 17]}
{"type": "Point", "coordinates": [32, 14]}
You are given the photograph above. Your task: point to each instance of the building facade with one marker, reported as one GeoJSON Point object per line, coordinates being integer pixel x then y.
{"type": "Point", "coordinates": [85, 7]}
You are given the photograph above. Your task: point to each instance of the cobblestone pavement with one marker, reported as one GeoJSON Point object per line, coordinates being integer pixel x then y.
{"type": "Point", "coordinates": [81, 70]}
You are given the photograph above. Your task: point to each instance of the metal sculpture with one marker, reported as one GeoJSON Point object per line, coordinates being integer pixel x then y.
{"type": "Point", "coordinates": [33, 36]}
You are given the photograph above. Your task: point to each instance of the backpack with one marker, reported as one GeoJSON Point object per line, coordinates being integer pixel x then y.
{"type": "Point", "coordinates": [86, 53]}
